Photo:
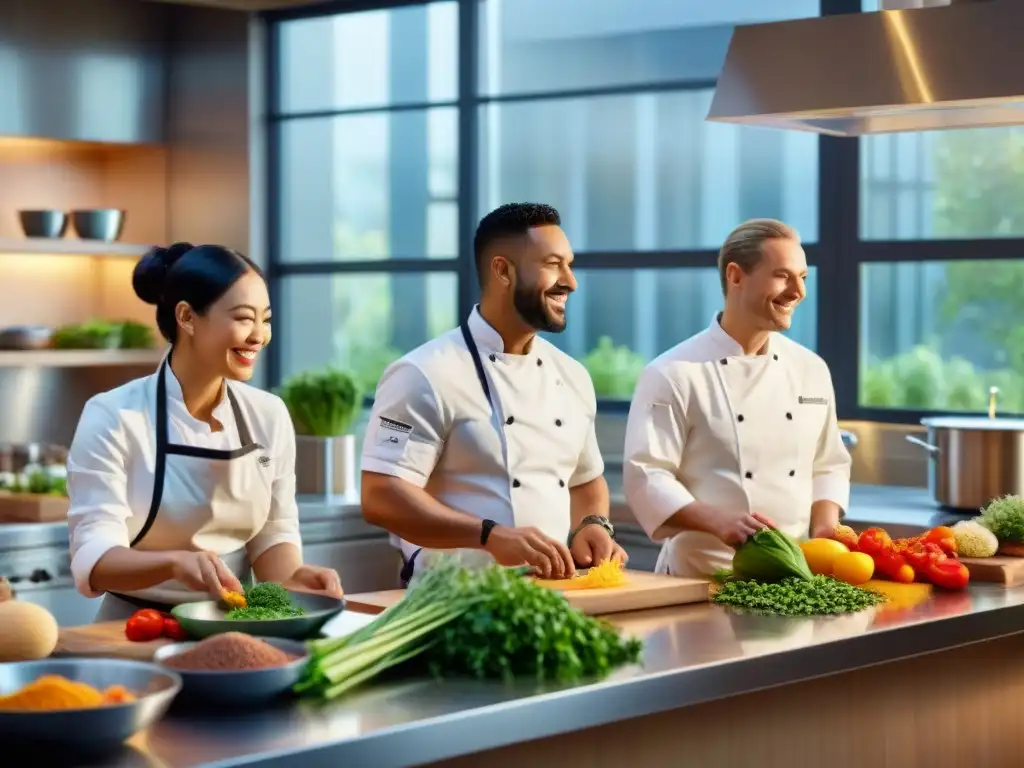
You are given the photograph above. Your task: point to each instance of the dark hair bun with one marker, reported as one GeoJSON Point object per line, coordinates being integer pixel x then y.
{"type": "Point", "coordinates": [151, 271]}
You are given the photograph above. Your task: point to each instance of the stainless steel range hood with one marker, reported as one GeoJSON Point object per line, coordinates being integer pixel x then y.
{"type": "Point", "coordinates": [958, 66]}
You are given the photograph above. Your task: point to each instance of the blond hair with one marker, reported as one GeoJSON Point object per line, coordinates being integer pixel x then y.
{"type": "Point", "coordinates": [745, 244]}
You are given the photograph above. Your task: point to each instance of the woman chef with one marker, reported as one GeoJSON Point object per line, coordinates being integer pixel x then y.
{"type": "Point", "coordinates": [182, 481]}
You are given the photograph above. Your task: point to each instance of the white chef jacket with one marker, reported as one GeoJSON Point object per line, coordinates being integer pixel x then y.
{"type": "Point", "coordinates": [756, 433]}
{"type": "Point", "coordinates": [113, 456]}
{"type": "Point", "coordinates": [432, 426]}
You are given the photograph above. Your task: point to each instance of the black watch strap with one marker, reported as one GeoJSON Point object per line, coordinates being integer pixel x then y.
{"type": "Point", "coordinates": [485, 531]}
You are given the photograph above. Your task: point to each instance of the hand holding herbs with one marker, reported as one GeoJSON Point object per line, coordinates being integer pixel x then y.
{"type": "Point", "coordinates": [770, 575]}
{"type": "Point", "coordinates": [486, 623]}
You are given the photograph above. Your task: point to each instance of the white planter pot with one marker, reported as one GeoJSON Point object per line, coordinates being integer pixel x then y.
{"type": "Point", "coordinates": [325, 466]}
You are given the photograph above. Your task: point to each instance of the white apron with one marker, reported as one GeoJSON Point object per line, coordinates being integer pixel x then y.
{"type": "Point", "coordinates": [767, 437]}
{"type": "Point", "coordinates": [203, 499]}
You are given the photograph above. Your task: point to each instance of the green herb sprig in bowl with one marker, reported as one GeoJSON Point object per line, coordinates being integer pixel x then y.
{"type": "Point", "coordinates": [264, 602]}
{"type": "Point", "coordinates": [322, 403]}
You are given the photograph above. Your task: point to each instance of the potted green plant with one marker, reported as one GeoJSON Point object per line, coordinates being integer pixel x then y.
{"type": "Point", "coordinates": [323, 405]}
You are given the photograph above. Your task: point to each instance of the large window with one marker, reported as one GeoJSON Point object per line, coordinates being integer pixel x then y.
{"type": "Point", "coordinates": [393, 130]}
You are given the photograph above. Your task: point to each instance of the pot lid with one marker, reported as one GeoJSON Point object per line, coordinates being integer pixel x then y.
{"type": "Point", "coordinates": [974, 422]}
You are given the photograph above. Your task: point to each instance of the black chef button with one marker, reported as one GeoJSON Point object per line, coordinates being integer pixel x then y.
{"type": "Point", "coordinates": [792, 472]}
{"type": "Point", "coordinates": [510, 419]}
{"type": "Point", "coordinates": [740, 417]}
{"type": "Point", "coordinates": [750, 475]}
{"type": "Point", "coordinates": [558, 422]}
{"type": "Point", "coordinates": [789, 416]}
{"type": "Point", "coordinates": [493, 358]}
{"type": "Point", "coordinates": [539, 362]}
{"type": "Point", "coordinates": [775, 357]}
{"type": "Point", "coordinates": [561, 483]}
{"type": "Point", "coordinates": [723, 361]}
{"type": "Point", "coordinates": [516, 483]}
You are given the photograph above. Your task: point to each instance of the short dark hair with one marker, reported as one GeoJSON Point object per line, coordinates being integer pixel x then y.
{"type": "Point", "coordinates": [198, 275]}
{"type": "Point", "coordinates": [509, 220]}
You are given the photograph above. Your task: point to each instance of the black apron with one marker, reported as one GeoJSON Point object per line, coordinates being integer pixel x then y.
{"type": "Point", "coordinates": [165, 448]}
{"type": "Point", "coordinates": [409, 564]}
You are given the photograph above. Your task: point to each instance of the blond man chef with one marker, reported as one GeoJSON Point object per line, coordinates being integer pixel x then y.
{"type": "Point", "coordinates": [735, 428]}
{"type": "Point", "coordinates": [482, 440]}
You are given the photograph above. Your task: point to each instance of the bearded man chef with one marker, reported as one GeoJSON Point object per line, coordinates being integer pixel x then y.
{"type": "Point", "coordinates": [482, 440]}
{"type": "Point", "coordinates": [179, 480]}
{"type": "Point", "coordinates": [735, 428]}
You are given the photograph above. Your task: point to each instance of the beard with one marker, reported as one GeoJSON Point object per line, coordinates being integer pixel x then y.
{"type": "Point", "coordinates": [531, 308]}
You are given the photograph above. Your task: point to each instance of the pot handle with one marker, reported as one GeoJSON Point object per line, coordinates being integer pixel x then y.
{"type": "Point", "coordinates": [933, 451]}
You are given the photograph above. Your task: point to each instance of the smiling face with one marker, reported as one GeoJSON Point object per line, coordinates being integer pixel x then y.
{"type": "Point", "coordinates": [771, 290]}
{"type": "Point", "coordinates": [230, 335]}
{"type": "Point", "coordinates": [541, 278]}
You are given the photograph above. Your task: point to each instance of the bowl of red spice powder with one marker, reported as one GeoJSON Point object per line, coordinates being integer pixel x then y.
{"type": "Point", "coordinates": [236, 668]}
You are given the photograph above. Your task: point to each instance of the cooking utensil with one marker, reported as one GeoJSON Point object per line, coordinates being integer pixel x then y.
{"type": "Point", "coordinates": [24, 337]}
{"type": "Point", "coordinates": [204, 619]}
{"type": "Point", "coordinates": [246, 687]}
{"type": "Point", "coordinates": [98, 224]}
{"type": "Point", "coordinates": [43, 223]}
{"type": "Point", "coordinates": [973, 459]}
{"type": "Point", "coordinates": [95, 730]}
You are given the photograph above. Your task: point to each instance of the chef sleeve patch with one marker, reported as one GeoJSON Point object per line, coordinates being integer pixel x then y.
{"type": "Point", "coordinates": [391, 438]}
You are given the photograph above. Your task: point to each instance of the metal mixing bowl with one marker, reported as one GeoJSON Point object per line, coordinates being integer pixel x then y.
{"type": "Point", "coordinates": [89, 731]}
{"type": "Point", "coordinates": [43, 223]}
{"type": "Point", "coordinates": [204, 619]}
{"type": "Point", "coordinates": [98, 224]}
{"type": "Point", "coordinates": [246, 687]}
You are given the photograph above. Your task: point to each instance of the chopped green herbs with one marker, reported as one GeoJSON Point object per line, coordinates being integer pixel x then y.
{"type": "Point", "coordinates": [265, 601]}
{"type": "Point", "coordinates": [487, 623]}
{"type": "Point", "coordinates": [819, 596]}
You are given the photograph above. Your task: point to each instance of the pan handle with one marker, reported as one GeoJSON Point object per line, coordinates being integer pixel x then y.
{"type": "Point", "coordinates": [932, 450]}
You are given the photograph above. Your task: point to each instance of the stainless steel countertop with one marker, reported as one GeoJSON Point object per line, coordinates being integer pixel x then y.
{"type": "Point", "coordinates": [692, 654]}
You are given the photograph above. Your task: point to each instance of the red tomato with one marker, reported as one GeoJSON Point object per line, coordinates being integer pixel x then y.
{"type": "Point", "coordinates": [173, 630]}
{"type": "Point", "coordinates": [874, 541]}
{"type": "Point", "coordinates": [144, 625]}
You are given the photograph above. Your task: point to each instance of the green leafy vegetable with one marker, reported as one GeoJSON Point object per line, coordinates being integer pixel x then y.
{"type": "Point", "coordinates": [490, 622]}
{"type": "Point", "coordinates": [817, 596]}
{"type": "Point", "coordinates": [1005, 518]}
{"type": "Point", "coordinates": [770, 555]}
{"type": "Point", "coordinates": [322, 403]}
{"type": "Point", "coordinates": [265, 601]}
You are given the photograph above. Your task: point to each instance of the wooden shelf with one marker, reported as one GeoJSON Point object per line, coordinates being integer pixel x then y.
{"type": "Point", "coordinates": [69, 246]}
{"type": "Point", "coordinates": [79, 358]}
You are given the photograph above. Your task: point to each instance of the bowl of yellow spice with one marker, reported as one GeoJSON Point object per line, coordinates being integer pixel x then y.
{"type": "Point", "coordinates": [81, 706]}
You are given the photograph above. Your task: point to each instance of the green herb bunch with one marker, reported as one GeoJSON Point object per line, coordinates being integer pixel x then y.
{"type": "Point", "coordinates": [265, 601]}
{"type": "Point", "coordinates": [322, 403]}
{"type": "Point", "coordinates": [817, 596]}
{"type": "Point", "coordinates": [521, 630]}
{"type": "Point", "coordinates": [457, 622]}
{"type": "Point", "coordinates": [1005, 518]}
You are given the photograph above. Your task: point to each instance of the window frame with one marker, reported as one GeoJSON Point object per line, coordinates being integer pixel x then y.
{"type": "Point", "coordinates": [837, 254]}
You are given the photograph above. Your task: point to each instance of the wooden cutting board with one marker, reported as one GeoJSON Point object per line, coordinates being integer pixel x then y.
{"type": "Point", "coordinates": [644, 590]}
{"type": "Point", "coordinates": [1001, 569]}
{"type": "Point", "coordinates": [104, 639]}
{"type": "Point", "coordinates": [32, 508]}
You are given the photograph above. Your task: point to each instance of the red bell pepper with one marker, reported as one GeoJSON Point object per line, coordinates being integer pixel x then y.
{"type": "Point", "coordinates": [920, 555]}
{"type": "Point", "coordinates": [944, 537]}
{"type": "Point", "coordinates": [893, 566]}
{"type": "Point", "coordinates": [874, 541]}
{"type": "Point", "coordinates": [948, 574]}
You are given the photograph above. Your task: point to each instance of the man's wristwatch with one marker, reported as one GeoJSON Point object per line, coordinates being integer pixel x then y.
{"type": "Point", "coordinates": [600, 520]}
{"type": "Point", "coordinates": [485, 531]}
